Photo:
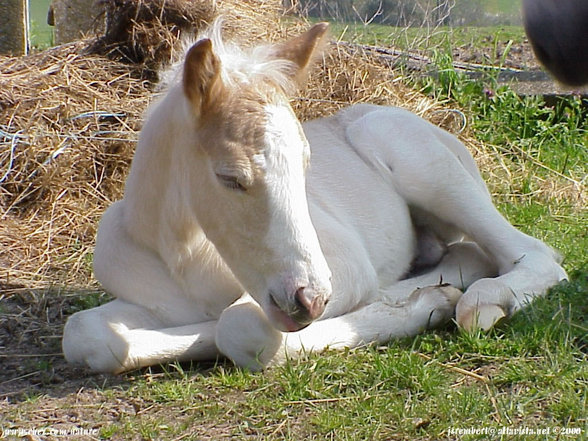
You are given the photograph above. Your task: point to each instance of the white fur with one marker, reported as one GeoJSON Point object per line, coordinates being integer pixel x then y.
{"type": "Point", "coordinates": [290, 232]}
{"type": "Point", "coordinates": [180, 251]}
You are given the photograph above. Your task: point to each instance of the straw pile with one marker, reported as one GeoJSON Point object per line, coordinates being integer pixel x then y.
{"type": "Point", "coordinates": [68, 123]}
{"type": "Point", "coordinates": [69, 119]}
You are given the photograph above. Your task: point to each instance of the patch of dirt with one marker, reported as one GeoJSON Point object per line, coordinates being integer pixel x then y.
{"type": "Point", "coordinates": [525, 75]}
{"type": "Point", "coordinates": [31, 326]}
{"type": "Point", "coordinates": [518, 55]}
{"type": "Point", "coordinates": [48, 399]}
{"type": "Point", "coordinates": [36, 382]}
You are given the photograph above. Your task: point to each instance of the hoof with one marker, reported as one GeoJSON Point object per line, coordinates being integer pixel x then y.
{"type": "Point", "coordinates": [88, 343]}
{"type": "Point", "coordinates": [437, 301]}
{"type": "Point", "coordinates": [451, 293]}
{"type": "Point", "coordinates": [244, 335]}
{"type": "Point", "coordinates": [445, 293]}
{"type": "Point", "coordinates": [482, 317]}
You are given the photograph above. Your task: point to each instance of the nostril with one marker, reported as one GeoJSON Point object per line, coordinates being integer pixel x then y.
{"type": "Point", "coordinates": [301, 301]}
{"type": "Point", "coordinates": [313, 305]}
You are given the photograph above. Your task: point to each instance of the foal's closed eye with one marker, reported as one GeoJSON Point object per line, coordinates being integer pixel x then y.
{"type": "Point", "coordinates": [231, 182]}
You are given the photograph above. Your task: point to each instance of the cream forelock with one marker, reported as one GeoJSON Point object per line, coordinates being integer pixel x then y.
{"type": "Point", "coordinates": [239, 66]}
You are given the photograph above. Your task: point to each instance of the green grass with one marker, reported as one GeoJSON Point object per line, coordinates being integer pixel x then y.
{"type": "Point", "coordinates": [41, 32]}
{"type": "Point", "coordinates": [503, 6]}
{"type": "Point", "coordinates": [421, 38]}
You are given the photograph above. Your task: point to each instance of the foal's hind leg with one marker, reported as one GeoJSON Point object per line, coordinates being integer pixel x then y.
{"type": "Point", "coordinates": [434, 172]}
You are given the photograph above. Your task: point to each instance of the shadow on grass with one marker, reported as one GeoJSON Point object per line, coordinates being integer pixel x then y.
{"type": "Point", "coordinates": [31, 329]}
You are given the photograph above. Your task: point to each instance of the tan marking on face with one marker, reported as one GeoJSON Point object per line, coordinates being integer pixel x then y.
{"type": "Point", "coordinates": [232, 132]}
{"type": "Point", "coordinates": [232, 135]}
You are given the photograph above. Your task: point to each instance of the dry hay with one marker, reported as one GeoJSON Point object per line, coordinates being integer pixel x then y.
{"type": "Point", "coordinates": [145, 31]}
{"type": "Point", "coordinates": [69, 123]}
{"type": "Point", "coordinates": [66, 119]}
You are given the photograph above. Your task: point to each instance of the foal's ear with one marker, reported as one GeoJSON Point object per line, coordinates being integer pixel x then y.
{"type": "Point", "coordinates": [201, 81]}
{"type": "Point", "coordinates": [302, 50]}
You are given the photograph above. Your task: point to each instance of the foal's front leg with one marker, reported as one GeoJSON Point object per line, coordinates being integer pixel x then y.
{"type": "Point", "coordinates": [152, 320]}
{"type": "Point", "coordinates": [406, 308]}
{"type": "Point", "coordinates": [245, 335]}
{"type": "Point", "coordinates": [433, 171]}
{"type": "Point", "coordinates": [120, 336]}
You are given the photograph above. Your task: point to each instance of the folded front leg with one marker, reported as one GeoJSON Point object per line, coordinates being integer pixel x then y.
{"type": "Point", "coordinates": [120, 336]}
{"type": "Point", "coordinates": [245, 335]}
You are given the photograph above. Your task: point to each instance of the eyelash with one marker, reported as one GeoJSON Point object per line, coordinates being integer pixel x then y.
{"type": "Point", "coordinates": [231, 182]}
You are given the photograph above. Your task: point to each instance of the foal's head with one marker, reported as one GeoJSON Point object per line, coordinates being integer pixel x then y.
{"type": "Point", "coordinates": [252, 157]}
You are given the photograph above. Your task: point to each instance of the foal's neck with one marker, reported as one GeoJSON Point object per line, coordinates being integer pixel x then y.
{"type": "Point", "coordinates": [158, 208]}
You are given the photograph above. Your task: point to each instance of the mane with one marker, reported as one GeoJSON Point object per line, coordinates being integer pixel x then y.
{"type": "Point", "coordinates": [239, 66]}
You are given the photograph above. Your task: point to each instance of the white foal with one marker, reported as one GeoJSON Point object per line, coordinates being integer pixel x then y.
{"type": "Point", "coordinates": [231, 238]}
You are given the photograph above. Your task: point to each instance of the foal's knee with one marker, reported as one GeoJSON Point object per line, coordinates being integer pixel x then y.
{"type": "Point", "coordinates": [90, 341]}
{"type": "Point", "coordinates": [245, 335]}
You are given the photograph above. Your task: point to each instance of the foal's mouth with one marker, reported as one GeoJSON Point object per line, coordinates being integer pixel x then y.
{"type": "Point", "coordinates": [291, 320]}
